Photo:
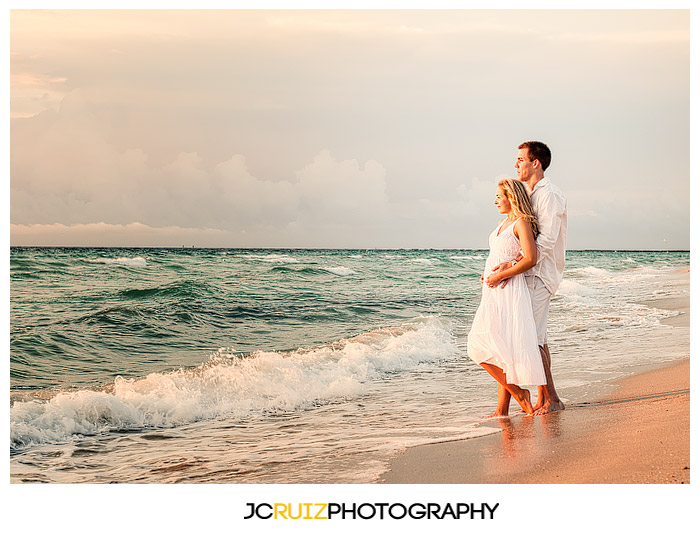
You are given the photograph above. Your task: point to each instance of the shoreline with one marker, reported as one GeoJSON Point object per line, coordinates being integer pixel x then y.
{"type": "Point", "coordinates": [636, 433]}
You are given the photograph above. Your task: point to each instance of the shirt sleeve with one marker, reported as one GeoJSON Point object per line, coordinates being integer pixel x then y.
{"type": "Point", "coordinates": [550, 210]}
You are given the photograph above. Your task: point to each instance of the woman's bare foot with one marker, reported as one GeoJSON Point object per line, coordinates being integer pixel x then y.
{"type": "Point", "coordinates": [522, 397]}
{"type": "Point", "coordinates": [496, 415]}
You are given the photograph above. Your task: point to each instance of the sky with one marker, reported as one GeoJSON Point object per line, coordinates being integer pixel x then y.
{"type": "Point", "coordinates": [343, 129]}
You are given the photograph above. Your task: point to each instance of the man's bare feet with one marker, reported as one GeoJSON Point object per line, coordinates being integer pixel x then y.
{"type": "Point", "coordinates": [549, 407]}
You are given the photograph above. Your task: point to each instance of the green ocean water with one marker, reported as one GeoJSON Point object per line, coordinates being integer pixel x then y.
{"type": "Point", "coordinates": [80, 315]}
{"type": "Point", "coordinates": [244, 346]}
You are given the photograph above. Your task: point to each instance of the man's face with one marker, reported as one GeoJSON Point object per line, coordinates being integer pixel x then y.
{"type": "Point", "coordinates": [524, 166]}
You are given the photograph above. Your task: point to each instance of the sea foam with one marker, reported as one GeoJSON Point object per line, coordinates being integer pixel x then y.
{"type": "Point", "coordinates": [124, 261]}
{"type": "Point", "coordinates": [273, 258]}
{"type": "Point", "coordinates": [231, 385]}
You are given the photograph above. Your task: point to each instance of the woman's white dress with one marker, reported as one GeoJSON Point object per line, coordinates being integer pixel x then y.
{"type": "Point", "coordinates": [503, 332]}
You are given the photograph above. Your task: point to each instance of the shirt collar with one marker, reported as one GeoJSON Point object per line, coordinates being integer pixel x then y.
{"type": "Point", "coordinates": [540, 184]}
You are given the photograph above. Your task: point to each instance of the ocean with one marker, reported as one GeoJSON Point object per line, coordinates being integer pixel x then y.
{"type": "Point", "coordinates": [286, 366]}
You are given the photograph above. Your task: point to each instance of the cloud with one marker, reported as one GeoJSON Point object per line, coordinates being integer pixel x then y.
{"type": "Point", "coordinates": [342, 192]}
{"type": "Point", "coordinates": [650, 37]}
{"type": "Point", "coordinates": [68, 174]}
{"type": "Point", "coordinates": [65, 170]}
{"type": "Point", "coordinates": [103, 234]}
{"type": "Point", "coordinates": [340, 129]}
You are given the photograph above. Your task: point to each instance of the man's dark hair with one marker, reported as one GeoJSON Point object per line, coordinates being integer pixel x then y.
{"type": "Point", "coordinates": [537, 150]}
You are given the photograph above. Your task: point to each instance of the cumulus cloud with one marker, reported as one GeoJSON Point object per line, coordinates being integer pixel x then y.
{"type": "Point", "coordinates": [66, 170]}
{"type": "Point", "coordinates": [338, 129]}
{"type": "Point", "coordinates": [342, 192]}
{"type": "Point", "coordinates": [72, 185]}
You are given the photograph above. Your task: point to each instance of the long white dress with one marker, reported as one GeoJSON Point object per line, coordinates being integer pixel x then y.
{"type": "Point", "coordinates": [503, 332]}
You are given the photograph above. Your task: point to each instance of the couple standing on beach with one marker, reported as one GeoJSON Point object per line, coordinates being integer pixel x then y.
{"type": "Point", "coordinates": [508, 337]}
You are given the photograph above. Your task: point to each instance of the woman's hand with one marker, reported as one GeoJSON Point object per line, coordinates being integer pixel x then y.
{"type": "Point", "coordinates": [494, 279]}
{"type": "Point", "coordinates": [499, 268]}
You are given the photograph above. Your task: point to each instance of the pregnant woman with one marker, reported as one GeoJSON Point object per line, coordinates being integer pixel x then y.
{"type": "Point", "coordinates": [503, 336]}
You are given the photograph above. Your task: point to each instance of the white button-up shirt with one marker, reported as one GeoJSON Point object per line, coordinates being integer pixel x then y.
{"type": "Point", "coordinates": [550, 207]}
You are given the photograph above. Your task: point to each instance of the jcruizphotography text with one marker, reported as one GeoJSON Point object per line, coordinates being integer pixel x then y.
{"type": "Point", "coordinates": [370, 511]}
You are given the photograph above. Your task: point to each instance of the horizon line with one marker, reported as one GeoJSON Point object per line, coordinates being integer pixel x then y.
{"type": "Point", "coordinates": [190, 248]}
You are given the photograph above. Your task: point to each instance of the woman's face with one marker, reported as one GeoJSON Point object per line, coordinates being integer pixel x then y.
{"type": "Point", "coordinates": [501, 202]}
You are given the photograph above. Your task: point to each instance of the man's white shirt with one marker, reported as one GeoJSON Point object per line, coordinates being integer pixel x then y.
{"type": "Point", "coordinates": [550, 207]}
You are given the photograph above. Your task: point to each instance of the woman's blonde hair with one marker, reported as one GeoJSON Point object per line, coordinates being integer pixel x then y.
{"type": "Point", "coordinates": [520, 202]}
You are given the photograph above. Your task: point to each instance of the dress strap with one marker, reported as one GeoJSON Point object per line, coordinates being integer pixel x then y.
{"type": "Point", "coordinates": [500, 225]}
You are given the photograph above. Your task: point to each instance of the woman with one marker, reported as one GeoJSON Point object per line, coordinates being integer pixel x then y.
{"type": "Point", "coordinates": [503, 337]}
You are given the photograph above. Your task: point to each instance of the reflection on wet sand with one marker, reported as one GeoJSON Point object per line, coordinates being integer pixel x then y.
{"type": "Point", "coordinates": [525, 441]}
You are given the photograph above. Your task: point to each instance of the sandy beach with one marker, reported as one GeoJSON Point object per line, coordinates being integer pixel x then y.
{"type": "Point", "coordinates": [638, 433]}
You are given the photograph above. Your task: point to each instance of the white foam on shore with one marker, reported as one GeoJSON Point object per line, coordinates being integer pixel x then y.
{"type": "Point", "coordinates": [600, 326]}
{"type": "Point", "coordinates": [233, 386]}
{"type": "Point", "coordinates": [573, 291]}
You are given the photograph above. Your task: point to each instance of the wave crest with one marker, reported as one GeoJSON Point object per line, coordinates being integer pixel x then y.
{"type": "Point", "coordinates": [233, 385]}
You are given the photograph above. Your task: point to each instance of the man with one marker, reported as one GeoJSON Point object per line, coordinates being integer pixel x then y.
{"type": "Point", "coordinates": [543, 279]}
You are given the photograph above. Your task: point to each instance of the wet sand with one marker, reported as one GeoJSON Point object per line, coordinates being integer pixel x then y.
{"type": "Point", "coordinates": [637, 434]}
